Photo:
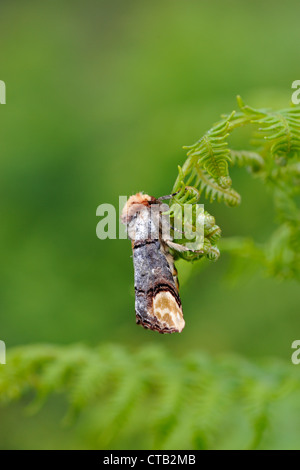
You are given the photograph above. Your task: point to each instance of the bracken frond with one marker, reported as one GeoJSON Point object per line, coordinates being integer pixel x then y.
{"type": "Point", "coordinates": [274, 158]}
{"type": "Point", "coordinates": [159, 400]}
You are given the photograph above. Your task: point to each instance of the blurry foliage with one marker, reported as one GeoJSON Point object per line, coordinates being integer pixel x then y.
{"type": "Point", "coordinates": [155, 399]}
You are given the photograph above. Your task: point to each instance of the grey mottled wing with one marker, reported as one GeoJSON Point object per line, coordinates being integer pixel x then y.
{"type": "Point", "coordinates": [157, 302]}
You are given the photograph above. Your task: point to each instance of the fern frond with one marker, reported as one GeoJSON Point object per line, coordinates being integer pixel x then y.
{"type": "Point", "coordinates": [205, 183]}
{"type": "Point", "coordinates": [159, 400]}
{"type": "Point", "coordinates": [281, 131]}
{"type": "Point", "coordinates": [275, 162]}
{"type": "Point", "coordinates": [88, 383]}
{"type": "Point", "coordinates": [246, 158]}
{"type": "Point", "coordinates": [212, 153]}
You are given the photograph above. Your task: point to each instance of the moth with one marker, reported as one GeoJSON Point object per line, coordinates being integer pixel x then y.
{"type": "Point", "coordinates": [157, 302]}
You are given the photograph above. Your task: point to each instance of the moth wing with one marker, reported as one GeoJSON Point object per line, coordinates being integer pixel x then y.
{"type": "Point", "coordinates": [167, 311]}
{"type": "Point", "coordinates": [143, 286]}
{"type": "Point", "coordinates": [157, 302]}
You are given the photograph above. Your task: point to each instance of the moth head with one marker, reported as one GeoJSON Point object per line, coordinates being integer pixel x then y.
{"type": "Point", "coordinates": [134, 205]}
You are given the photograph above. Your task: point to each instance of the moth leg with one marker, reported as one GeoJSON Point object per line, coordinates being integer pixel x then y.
{"type": "Point", "coordinates": [177, 230]}
{"type": "Point", "coordinates": [169, 196]}
{"type": "Point", "coordinates": [180, 248]}
{"type": "Point", "coordinates": [173, 269]}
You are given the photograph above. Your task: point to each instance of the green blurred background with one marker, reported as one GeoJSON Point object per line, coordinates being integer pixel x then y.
{"type": "Point", "coordinates": [101, 96]}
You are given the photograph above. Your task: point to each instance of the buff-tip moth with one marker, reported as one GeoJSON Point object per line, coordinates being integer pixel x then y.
{"type": "Point", "coordinates": [157, 301]}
